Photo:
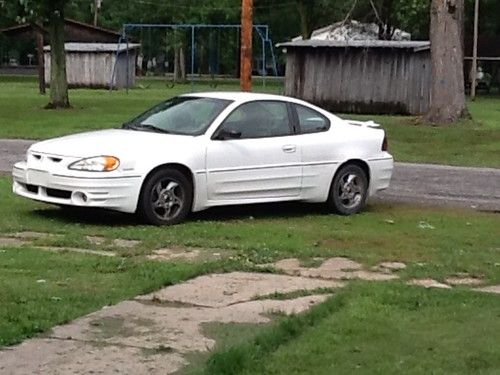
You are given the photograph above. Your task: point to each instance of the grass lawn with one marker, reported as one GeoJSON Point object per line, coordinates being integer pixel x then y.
{"type": "Point", "coordinates": [377, 329]}
{"type": "Point", "coordinates": [40, 289]}
{"type": "Point", "coordinates": [367, 327]}
{"type": "Point", "coordinates": [22, 114]}
{"type": "Point", "coordinates": [461, 241]}
{"type": "Point", "coordinates": [468, 143]}
{"type": "Point", "coordinates": [471, 143]}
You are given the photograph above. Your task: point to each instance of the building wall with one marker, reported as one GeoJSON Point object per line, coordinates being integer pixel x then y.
{"type": "Point", "coordinates": [357, 80]}
{"type": "Point", "coordinates": [93, 70]}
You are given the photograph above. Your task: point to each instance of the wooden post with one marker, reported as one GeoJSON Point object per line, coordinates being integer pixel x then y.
{"type": "Point", "coordinates": [246, 45]}
{"type": "Point", "coordinates": [41, 60]}
{"type": "Point", "coordinates": [474, 51]}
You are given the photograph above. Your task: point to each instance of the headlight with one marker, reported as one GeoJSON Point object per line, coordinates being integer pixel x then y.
{"type": "Point", "coordinates": [96, 164]}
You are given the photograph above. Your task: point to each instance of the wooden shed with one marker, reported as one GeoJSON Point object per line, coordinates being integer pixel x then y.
{"type": "Point", "coordinates": [372, 76]}
{"type": "Point", "coordinates": [93, 64]}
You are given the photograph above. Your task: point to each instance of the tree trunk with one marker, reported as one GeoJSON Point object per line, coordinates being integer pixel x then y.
{"type": "Point", "coordinates": [182, 62]}
{"type": "Point", "coordinates": [179, 64]}
{"type": "Point", "coordinates": [385, 30]}
{"type": "Point", "coordinates": [447, 61]}
{"type": "Point", "coordinates": [305, 13]}
{"type": "Point", "coordinates": [58, 79]}
{"type": "Point", "coordinates": [177, 67]}
{"type": "Point", "coordinates": [40, 59]}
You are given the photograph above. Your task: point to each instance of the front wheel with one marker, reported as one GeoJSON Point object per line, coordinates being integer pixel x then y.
{"type": "Point", "coordinates": [166, 198]}
{"type": "Point", "coordinates": [349, 190]}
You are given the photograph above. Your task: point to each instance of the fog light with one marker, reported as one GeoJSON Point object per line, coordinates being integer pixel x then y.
{"type": "Point", "coordinates": [79, 198]}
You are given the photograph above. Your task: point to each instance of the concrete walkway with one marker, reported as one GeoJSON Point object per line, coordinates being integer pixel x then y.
{"type": "Point", "coordinates": [158, 333]}
{"type": "Point", "coordinates": [415, 183]}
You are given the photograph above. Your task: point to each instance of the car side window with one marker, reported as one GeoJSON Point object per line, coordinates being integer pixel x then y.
{"type": "Point", "coordinates": [311, 121]}
{"type": "Point", "coordinates": [257, 119]}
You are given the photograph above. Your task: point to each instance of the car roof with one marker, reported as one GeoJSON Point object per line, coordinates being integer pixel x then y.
{"type": "Point", "coordinates": [240, 96]}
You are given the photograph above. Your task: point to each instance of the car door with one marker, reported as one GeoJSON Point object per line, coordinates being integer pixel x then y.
{"type": "Point", "coordinates": [253, 155]}
{"type": "Point", "coordinates": [320, 154]}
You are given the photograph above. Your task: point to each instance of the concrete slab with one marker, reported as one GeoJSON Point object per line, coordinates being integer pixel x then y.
{"type": "Point", "coordinates": [120, 242]}
{"type": "Point", "coordinates": [391, 266]}
{"type": "Point", "coordinates": [428, 283]}
{"type": "Point", "coordinates": [62, 357]}
{"type": "Point", "coordinates": [153, 326]}
{"type": "Point", "coordinates": [11, 241]}
{"type": "Point", "coordinates": [463, 280]}
{"type": "Point", "coordinates": [489, 289]}
{"type": "Point", "coordinates": [332, 269]}
{"type": "Point", "coordinates": [219, 290]}
{"type": "Point", "coordinates": [76, 250]}
{"type": "Point", "coordinates": [154, 333]}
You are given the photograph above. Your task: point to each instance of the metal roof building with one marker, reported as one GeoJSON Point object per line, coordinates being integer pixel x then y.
{"type": "Point", "coordinates": [360, 76]}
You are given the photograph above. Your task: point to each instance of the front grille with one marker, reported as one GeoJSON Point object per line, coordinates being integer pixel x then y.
{"type": "Point", "coordinates": [32, 189]}
{"type": "Point", "coordinates": [56, 193]}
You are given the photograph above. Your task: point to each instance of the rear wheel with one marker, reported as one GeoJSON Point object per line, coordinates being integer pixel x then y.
{"type": "Point", "coordinates": [349, 190]}
{"type": "Point", "coordinates": [165, 198]}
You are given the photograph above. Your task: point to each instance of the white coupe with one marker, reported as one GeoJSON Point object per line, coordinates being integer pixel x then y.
{"type": "Point", "coordinates": [202, 150]}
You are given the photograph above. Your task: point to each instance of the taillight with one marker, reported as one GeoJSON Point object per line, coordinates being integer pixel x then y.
{"type": "Point", "coordinates": [385, 144]}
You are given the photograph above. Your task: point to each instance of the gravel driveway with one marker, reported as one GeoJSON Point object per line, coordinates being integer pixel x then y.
{"type": "Point", "coordinates": [415, 183]}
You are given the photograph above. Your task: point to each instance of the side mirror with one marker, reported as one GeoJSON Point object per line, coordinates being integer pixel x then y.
{"type": "Point", "coordinates": [228, 134]}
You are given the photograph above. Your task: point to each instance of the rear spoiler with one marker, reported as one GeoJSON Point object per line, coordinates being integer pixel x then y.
{"type": "Point", "coordinates": [365, 124]}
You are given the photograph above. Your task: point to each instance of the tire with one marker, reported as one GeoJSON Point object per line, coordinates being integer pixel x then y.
{"type": "Point", "coordinates": [349, 190]}
{"type": "Point", "coordinates": [166, 198]}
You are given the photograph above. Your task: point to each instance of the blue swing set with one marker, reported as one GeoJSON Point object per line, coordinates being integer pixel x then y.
{"type": "Point", "coordinates": [262, 32]}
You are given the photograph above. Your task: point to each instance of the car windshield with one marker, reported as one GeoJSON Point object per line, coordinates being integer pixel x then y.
{"type": "Point", "coordinates": [182, 115]}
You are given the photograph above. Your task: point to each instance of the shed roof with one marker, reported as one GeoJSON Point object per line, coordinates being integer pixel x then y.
{"type": "Point", "coordinates": [97, 47]}
{"type": "Point", "coordinates": [74, 31]}
{"type": "Point", "coordinates": [310, 43]}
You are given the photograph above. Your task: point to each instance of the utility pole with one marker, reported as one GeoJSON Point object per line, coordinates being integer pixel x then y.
{"type": "Point", "coordinates": [246, 45]}
{"type": "Point", "coordinates": [474, 51]}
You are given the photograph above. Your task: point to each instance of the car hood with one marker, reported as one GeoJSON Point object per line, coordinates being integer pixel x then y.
{"type": "Point", "coordinates": [114, 142]}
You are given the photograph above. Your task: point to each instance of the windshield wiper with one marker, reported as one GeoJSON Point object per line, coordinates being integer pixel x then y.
{"type": "Point", "coordinates": [146, 127]}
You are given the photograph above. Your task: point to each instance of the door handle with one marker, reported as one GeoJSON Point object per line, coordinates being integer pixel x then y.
{"type": "Point", "coordinates": [289, 148]}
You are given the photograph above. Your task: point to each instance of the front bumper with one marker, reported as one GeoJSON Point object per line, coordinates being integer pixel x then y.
{"type": "Point", "coordinates": [115, 193]}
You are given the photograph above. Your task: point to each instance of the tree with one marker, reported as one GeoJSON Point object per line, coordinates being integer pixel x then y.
{"type": "Point", "coordinates": [48, 14]}
{"type": "Point", "coordinates": [447, 58]}
{"type": "Point", "coordinates": [306, 12]}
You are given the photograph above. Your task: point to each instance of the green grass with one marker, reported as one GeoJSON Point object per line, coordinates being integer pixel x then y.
{"type": "Point", "coordinates": [226, 336]}
{"type": "Point", "coordinates": [23, 116]}
{"type": "Point", "coordinates": [470, 143]}
{"type": "Point", "coordinates": [368, 327]}
{"type": "Point", "coordinates": [41, 289]}
{"type": "Point", "coordinates": [384, 328]}
{"type": "Point", "coordinates": [473, 142]}
{"type": "Point", "coordinates": [461, 241]}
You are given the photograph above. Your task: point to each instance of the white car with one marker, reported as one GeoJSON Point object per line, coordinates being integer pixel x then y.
{"type": "Point", "coordinates": [202, 150]}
